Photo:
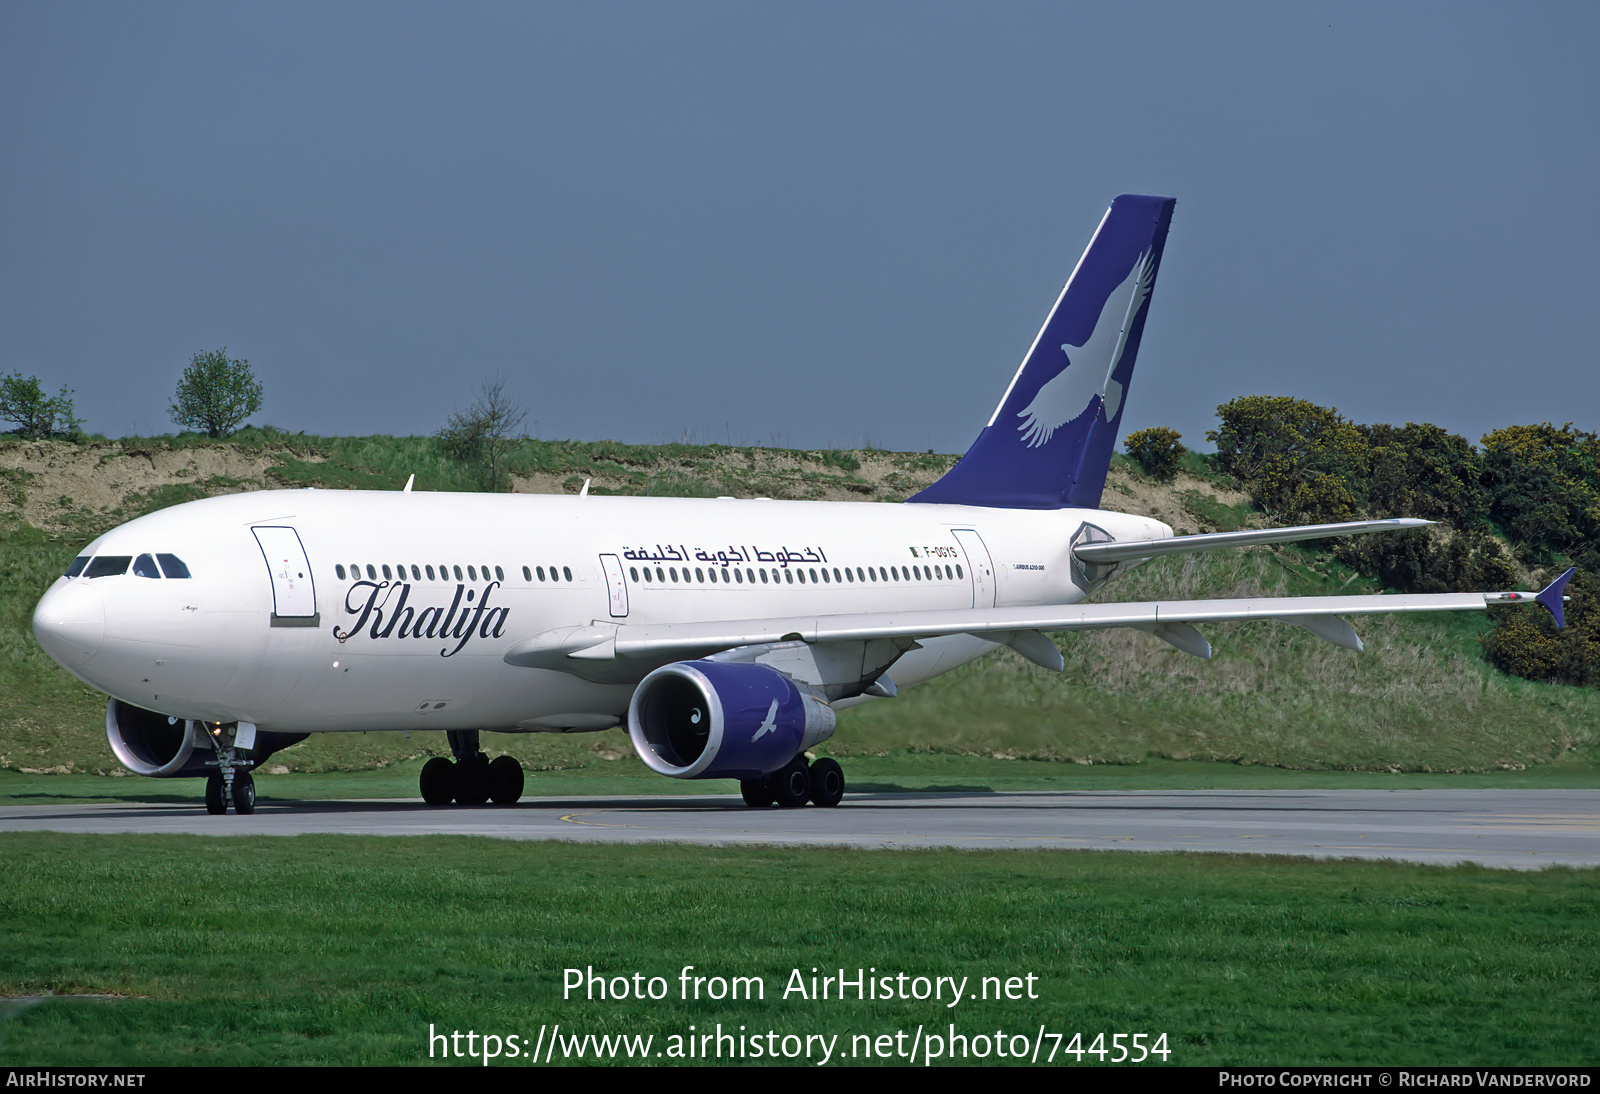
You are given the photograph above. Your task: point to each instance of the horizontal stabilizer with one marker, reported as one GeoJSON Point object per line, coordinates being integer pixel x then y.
{"type": "Point", "coordinates": [1176, 545]}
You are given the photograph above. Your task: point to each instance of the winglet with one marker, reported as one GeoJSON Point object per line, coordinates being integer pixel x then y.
{"type": "Point", "coordinates": [1551, 597]}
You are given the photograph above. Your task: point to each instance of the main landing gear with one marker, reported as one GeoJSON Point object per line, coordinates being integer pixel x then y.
{"type": "Point", "coordinates": [795, 783]}
{"type": "Point", "coordinates": [473, 778]}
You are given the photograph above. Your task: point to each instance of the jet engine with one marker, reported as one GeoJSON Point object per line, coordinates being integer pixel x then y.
{"type": "Point", "coordinates": [717, 720]}
{"type": "Point", "coordinates": [165, 747]}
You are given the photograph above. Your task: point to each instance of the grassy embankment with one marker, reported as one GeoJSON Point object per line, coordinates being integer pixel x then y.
{"type": "Point", "coordinates": [1419, 700]}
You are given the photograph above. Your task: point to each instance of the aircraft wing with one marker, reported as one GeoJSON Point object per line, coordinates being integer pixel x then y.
{"type": "Point", "coordinates": [1022, 628]}
{"type": "Point", "coordinates": [1123, 550]}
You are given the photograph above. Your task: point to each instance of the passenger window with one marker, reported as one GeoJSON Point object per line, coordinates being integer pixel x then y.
{"type": "Point", "coordinates": [763, 577]}
{"type": "Point", "coordinates": [788, 575]}
{"type": "Point", "coordinates": [674, 571]}
{"type": "Point", "coordinates": [814, 576]}
{"type": "Point", "coordinates": [108, 566]}
{"type": "Point", "coordinates": [387, 576]}
{"type": "Point", "coordinates": [566, 574]}
{"type": "Point", "coordinates": [699, 575]}
{"type": "Point", "coordinates": [458, 573]}
{"type": "Point", "coordinates": [527, 575]}
{"type": "Point", "coordinates": [145, 566]}
{"type": "Point", "coordinates": [338, 568]}
{"type": "Point", "coordinates": [647, 573]}
{"type": "Point", "coordinates": [499, 574]}
{"type": "Point", "coordinates": [825, 577]}
{"type": "Point", "coordinates": [77, 566]}
{"type": "Point", "coordinates": [372, 573]}
{"type": "Point", "coordinates": [860, 573]}
{"type": "Point", "coordinates": [958, 570]}
{"type": "Point", "coordinates": [660, 575]}
{"type": "Point", "coordinates": [633, 572]}
{"type": "Point", "coordinates": [541, 573]}
{"type": "Point", "coordinates": [416, 574]}
{"type": "Point", "coordinates": [472, 575]}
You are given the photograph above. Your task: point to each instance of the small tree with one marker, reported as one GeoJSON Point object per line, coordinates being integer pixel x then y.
{"type": "Point", "coordinates": [36, 415]}
{"type": "Point", "coordinates": [1157, 450]}
{"type": "Point", "coordinates": [217, 393]}
{"type": "Point", "coordinates": [484, 433]}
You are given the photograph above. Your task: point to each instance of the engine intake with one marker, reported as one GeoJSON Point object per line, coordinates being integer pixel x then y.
{"type": "Point", "coordinates": [713, 720]}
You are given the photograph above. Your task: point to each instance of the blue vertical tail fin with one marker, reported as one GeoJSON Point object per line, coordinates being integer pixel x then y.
{"type": "Point", "coordinates": [1048, 444]}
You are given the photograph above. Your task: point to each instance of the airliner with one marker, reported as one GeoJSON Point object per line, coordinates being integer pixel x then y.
{"type": "Point", "coordinates": [725, 634]}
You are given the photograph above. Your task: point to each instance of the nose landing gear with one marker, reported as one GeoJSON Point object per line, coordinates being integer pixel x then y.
{"type": "Point", "coordinates": [232, 784]}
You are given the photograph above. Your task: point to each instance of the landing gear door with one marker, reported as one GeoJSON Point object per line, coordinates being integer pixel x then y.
{"type": "Point", "coordinates": [615, 585]}
{"type": "Point", "coordinates": [980, 565]}
{"type": "Point", "coordinates": [294, 596]}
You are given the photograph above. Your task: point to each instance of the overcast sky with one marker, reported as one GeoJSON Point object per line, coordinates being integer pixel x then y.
{"type": "Point", "coordinates": [804, 224]}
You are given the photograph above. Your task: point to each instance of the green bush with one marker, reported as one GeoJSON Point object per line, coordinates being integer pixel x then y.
{"type": "Point", "coordinates": [1158, 450]}
{"type": "Point", "coordinates": [1543, 488]}
{"type": "Point", "coordinates": [1423, 471]}
{"type": "Point", "coordinates": [1299, 461]}
{"type": "Point", "coordinates": [1525, 642]}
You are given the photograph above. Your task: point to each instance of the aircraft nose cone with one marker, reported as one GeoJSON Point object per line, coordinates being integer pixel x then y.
{"type": "Point", "coordinates": [70, 622]}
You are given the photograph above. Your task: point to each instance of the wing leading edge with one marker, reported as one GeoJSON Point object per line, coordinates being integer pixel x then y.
{"type": "Point", "coordinates": [1021, 628]}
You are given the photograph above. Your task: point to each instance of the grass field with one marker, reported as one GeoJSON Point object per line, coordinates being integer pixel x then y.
{"type": "Point", "coordinates": [345, 951]}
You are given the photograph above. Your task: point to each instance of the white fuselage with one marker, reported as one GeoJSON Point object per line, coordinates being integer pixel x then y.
{"type": "Point", "coordinates": [375, 630]}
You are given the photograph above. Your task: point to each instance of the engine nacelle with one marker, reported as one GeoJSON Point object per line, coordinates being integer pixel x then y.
{"type": "Point", "coordinates": [715, 720]}
{"type": "Point", "coordinates": [165, 747]}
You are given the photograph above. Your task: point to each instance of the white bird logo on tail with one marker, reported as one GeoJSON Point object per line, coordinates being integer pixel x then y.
{"type": "Point", "coordinates": [768, 726]}
{"type": "Point", "coordinates": [1088, 370]}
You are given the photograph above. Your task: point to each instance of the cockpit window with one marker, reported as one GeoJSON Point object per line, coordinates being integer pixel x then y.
{"type": "Point", "coordinates": [108, 565]}
{"type": "Point", "coordinates": [77, 566]}
{"type": "Point", "coordinates": [145, 566]}
{"type": "Point", "coordinates": [172, 566]}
